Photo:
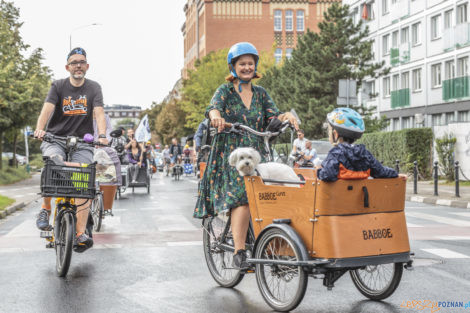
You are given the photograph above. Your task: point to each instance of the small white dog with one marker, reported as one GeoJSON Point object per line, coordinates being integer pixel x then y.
{"type": "Point", "coordinates": [247, 162]}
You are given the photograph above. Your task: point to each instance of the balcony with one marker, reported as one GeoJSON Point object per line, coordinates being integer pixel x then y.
{"type": "Point", "coordinates": [456, 88]}
{"type": "Point", "coordinates": [394, 56]}
{"type": "Point", "coordinates": [462, 35]}
{"type": "Point", "coordinates": [405, 52]}
{"type": "Point", "coordinates": [400, 98]}
{"type": "Point", "coordinates": [399, 10]}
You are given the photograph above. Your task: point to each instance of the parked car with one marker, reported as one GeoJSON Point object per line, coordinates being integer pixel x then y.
{"type": "Point", "coordinates": [322, 148]}
{"type": "Point", "coordinates": [21, 159]}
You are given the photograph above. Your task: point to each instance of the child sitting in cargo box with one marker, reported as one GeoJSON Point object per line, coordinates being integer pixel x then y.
{"type": "Point", "coordinates": [347, 160]}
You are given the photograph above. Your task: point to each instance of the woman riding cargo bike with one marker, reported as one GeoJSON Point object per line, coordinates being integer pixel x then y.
{"type": "Point", "coordinates": [285, 233]}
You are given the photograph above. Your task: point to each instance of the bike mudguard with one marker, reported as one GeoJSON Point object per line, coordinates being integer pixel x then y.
{"type": "Point", "coordinates": [291, 233]}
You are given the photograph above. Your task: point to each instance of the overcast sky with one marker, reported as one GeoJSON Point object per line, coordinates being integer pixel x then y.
{"type": "Point", "coordinates": [136, 54]}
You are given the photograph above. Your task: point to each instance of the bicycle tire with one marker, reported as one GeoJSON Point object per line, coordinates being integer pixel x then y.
{"type": "Point", "coordinates": [64, 243]}
{"type": "Point", "coordinates": [278, 245]}
{"type": "Point", "coordinates": [225, 276]}
{"type": "Point", "coordinates": [97, 210]}
{"type": "Point", "coordinates": [370, 292]}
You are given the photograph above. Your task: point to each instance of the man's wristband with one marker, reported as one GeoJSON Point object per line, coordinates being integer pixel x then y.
{"type": "Point", "coordinates": [102, 136]}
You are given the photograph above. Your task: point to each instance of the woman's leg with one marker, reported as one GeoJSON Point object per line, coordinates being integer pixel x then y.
{"type": "Point", "coordinates": [240, 221]}
{"type": "Point", "coordinates": [134, 171]}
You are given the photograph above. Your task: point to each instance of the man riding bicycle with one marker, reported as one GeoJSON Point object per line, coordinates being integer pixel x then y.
{"type": "Point", "coordinates": [68, 111]}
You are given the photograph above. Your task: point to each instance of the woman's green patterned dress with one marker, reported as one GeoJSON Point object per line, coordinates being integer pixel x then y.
{"type": "Point", "coordinates": [222, 187]}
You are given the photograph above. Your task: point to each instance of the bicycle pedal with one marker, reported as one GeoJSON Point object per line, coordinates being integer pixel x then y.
{"type": "Point", "coordinates": [46, 234]}
{"type": "Point", "coordinates": [50, 245]}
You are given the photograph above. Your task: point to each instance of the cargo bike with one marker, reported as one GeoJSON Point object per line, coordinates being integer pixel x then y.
{"type": "Point", "coordinates": [317, 229]}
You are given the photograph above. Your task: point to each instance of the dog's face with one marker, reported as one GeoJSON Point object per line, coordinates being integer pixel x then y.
{"type": "Point", "coordinates": [245, 160]}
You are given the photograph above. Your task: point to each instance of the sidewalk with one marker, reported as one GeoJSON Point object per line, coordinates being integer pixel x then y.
{"type": "Point", "coordinates": [446, 194]}
{"type": "Point", "coordinates": [23, 192]}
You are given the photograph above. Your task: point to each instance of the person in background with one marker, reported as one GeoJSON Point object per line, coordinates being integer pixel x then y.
{"type": "Point", "coordinates": [175, 150]}
{"type": "Point", "coordinates": [135, 156]}
{"type": "Point", "coordinates": [308, 155]}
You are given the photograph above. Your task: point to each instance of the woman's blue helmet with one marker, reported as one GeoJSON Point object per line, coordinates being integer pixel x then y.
{"type": "Point", "coordinates": [238, 50]}
{"type": "Point", "coordinates": [347, 122]}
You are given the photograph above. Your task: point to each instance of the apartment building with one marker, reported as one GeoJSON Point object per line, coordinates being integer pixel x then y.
{"type": "Point", "coordinates": [217, 24]}
{"type": "Point", "coordinates": [119, 112]}
{"type": "Point", "coordinates": [426, 43]}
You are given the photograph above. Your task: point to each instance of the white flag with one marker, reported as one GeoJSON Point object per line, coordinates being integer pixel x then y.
{"type": "Point", "coordinates": [142, 134]}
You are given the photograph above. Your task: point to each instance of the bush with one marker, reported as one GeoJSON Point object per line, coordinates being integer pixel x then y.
{"type": "Point", "coordinates": [10, 175]}
{"type": "Point", "coordinates": [445, 148]}
{"type": "Point", "coordinates": [406, 145]}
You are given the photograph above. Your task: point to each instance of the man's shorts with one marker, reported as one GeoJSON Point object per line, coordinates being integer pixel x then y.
{"type": "Point", "coordinates": [173, 159]}
{"type": "Point", "coordinates": [83, 154]}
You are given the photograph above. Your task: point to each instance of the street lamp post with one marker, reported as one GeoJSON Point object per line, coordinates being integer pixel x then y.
{"type": "Point", "coordinates": [80, 27]}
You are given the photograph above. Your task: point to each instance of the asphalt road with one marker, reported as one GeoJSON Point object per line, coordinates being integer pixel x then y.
{"type": "Point", "coordinates": [149, 258]}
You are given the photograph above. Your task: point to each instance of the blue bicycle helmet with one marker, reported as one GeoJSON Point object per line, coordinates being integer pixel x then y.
{"type": "Point", "coordinates": [238, 50]}
{"type": "Point", "coordinates": [347, 122]}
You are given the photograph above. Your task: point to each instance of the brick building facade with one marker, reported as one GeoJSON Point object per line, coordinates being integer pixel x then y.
{"type": "Point", "coordinates": [217, 24]}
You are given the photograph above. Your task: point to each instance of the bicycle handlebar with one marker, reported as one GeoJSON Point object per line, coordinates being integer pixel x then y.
{"type": "Point", "coordinates": [52, 138]}
{"type": "Point", "coordinates": [235, 127]}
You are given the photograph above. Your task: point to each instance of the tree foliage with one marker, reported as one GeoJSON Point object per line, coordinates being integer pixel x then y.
{"type": "Point", "coordinates": [308, 82]}
{"type": "Point", "coordinates": [24, 81]}
{"type": "Point", "coordinates": [171, 122]}
{"type": "Point", "coordinates": [445, 148]}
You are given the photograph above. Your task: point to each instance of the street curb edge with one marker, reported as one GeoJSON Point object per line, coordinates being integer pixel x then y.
{"type": "Point", "coordinates": [13, 208]}
{"type": "Point", "coordinates": [443, 202]}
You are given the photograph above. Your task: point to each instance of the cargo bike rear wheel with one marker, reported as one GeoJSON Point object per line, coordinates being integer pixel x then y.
{"type": "Point", "coordinates": [282, 286]}
{"type": "Point", "coordinates": [218, 250]}
{"type": "Point", "coordinates": [377, 282]}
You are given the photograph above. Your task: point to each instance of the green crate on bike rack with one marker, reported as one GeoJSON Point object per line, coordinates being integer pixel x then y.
{"type": "Point", "coordinates": [68, 181]}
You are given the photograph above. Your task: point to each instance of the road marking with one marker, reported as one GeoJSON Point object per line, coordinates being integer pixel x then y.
{"type": "Point", "coordinates": [25, 229]}
{"type": "Point", "coordinates": [452, 237]}
{"type": "Point", "coordinates": [446, 253]}
{"type": "Point", "coordinates": [439, 219]}
{"type": "Point", "coordinates": [464, 214]}
{"type": "Point", "coordinates": [18, 196]}
{"type": "Point", "coordinates": [412, 225]}
{"type": "Point", "coordinates": [449, 275]}
{"type": "Point", "coordinates": [194, 181]}
{"type": "Point", "coordinates": [184, 243]}
{"type": "Point", "coordinates": [108, 246]}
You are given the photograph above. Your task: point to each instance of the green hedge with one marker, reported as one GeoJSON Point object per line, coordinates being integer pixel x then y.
{"type": "Point", "coordinates": [406, 145]}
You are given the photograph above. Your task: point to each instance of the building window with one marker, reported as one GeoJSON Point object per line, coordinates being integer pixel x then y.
{"type": "Point", "coordinates": [384, 7]}
{"type": "Point", "coordinates": [436, 75]}
{"type": "Point", "coordinates": [435, 27]}
{"type": "Point", "coordinates": [448, 19]}
{"type": "Point", "coordinates": [405, 80]}
{"type": "Point", "coordinates": [395, 39]}
{"type": "Point", "coordinates": [300, 21]}
{"type": "Point", "coordinates": [385, 45]}
{"type": "Point", "coordinates": [386, 87]}
{"type": "Point", "coordinates": [416, 80]}
{"type": "Point", "coordinates": [354, 15]}
{"type": "Point", "coordinates": [450, 116]}
{"type": "Point", "coordinates": [462, 13]}
{"type": "Point", "coordinates": [405, 35]}
{"type": "Point", "coordinates": [436, 119]}
{"type": "Point", "coordinates": [277, 20]}
{"type": "Point", "coordinates": [288, 53]}
{"type": "Point", "coordinates": [462, 66]}
{"type": "Point", "coordinates": [278, 55]}
{"type": "Point", "coordinates": [367, 12]}
{"type": "Point", "coordinates": [449, 69]}
{"type": "Point", "coordinates": [289, 20]}
{"type": "Point", "coordinates": [395, 80]}
{"type": "Point", "coordinates": [372, 48]}
{"type": "Point", "coordinates": [405, 122]}
{"type": "Point", "coordinates": [463, 116]}
{"type": "Point", "coordinates": [369, 90]}
{"type": "Point", "coordinates": [415, 34]}
{"type": "Point", "coordinates": [396, 124]}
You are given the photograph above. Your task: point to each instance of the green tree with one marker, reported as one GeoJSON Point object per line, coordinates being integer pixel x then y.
{"type": "Point", "coordinates": [308, 82]}
{"type": "Point", "coordinates": [23, 81]}
{"type": "Point", "coordinates": [126, 123]}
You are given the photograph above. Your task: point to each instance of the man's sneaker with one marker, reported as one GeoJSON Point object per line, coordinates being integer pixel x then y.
{"type": "Point", "coordinates": [82, 243]}
{"type": "Point", "coordinates": [239, 260]}
{"type": "Point", "coordinates": [42, 222]}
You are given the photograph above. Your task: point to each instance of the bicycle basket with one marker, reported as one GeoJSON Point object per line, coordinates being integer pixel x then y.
{"type": "Point", "coordinates": [68, 181]}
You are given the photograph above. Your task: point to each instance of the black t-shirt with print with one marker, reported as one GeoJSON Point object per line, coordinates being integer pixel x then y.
{"type": "Point", "coordinates": [73, 114]}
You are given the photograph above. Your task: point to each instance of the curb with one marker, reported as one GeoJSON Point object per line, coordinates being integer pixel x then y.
{"type": "Point", "coordinates": [444, 202]}
{"type": "Point", "coordinates": [13, 208]}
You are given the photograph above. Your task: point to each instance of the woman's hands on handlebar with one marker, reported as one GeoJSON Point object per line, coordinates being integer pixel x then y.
{"type": "Point", "coordinates": [289, 117]}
